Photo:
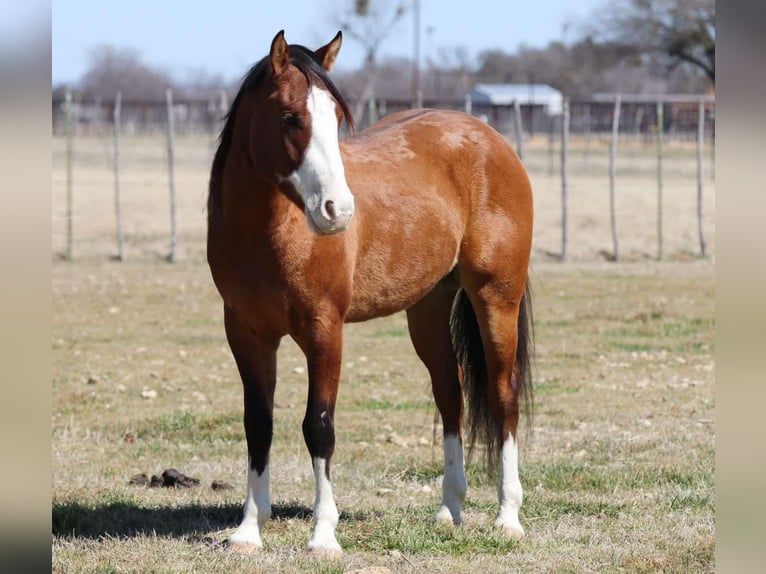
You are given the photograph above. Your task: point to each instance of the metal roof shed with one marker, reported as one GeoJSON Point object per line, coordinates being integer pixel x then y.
{"type": "Point", "coordinates": [504, 95]}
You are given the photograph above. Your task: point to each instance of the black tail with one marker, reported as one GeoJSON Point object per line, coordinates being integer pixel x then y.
{"type": "Point", "coordinates": [470, 354]}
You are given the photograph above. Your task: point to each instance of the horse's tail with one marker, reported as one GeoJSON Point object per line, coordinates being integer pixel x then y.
{"type": "Point", "coordinates": [466, 338]}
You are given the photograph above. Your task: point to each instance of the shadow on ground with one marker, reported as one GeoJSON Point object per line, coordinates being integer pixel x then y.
{"type": "Point", "coordinates": [125, 519]}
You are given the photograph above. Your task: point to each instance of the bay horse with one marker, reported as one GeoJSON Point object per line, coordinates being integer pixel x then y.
{"type": "Point", "coordinates": [426, 211]}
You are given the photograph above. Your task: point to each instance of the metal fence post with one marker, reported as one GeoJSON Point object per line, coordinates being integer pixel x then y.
{"type": "Point", "coordinates": [700, 143]}
{"type": "Point", "coordinates": [117, 210]}
{"type": "Point", "coordinates": [171, 178]}
{"type": "Point", "coordinates": [613, 173]}
{"type": "Point", "coordinates": [660, 130]}
{"type": "Point", "coordinates": [69, 199]}
{"type": "Point", "coordinates": [564, 167]}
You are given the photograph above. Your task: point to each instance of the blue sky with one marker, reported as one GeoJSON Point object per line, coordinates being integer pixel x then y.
{"type": "Point", "coordinates": [226, 36]}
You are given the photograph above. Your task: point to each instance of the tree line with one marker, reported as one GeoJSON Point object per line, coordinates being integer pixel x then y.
{"type": "Point", "coordinates": [628, 46]}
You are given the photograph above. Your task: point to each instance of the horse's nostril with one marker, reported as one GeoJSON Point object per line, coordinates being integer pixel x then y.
{"type": "Point", "coordinates": [329, 207]}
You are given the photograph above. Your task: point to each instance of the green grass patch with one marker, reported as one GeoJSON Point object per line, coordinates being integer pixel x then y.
{"type": "Point", "coordinates": [554, 508]}
{"type": "Point", "coordinates": [415, 533]}
{"type": "Point", "coordinates": [381, 405]}
{"type": "Point", "coordinates": [391, 332]}
{"type": "Point", "coordinates": [554, 387]}
{"type": "Point", "coordinates": [568, 476]}
{"type": "Point", "coordinates": [692, 500]}
{"type": "Point", "coordinates": [191, 426]}
{"type": "Point", "coordinates": [644, 333]}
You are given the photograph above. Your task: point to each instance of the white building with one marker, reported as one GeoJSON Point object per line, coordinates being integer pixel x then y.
{"type": "Point", "coordinates": [527, 94]}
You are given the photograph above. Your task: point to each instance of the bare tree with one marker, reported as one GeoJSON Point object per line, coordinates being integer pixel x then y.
{"type": "Point", "coordinates": [682, 30]}
{"type": "Point", "coordinates": [369, 23]}
{"type": "Point", "coordinates": [113, 70]}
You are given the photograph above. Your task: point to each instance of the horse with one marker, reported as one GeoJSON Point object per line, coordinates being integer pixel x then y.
{"type": "Point", "coordinates": [427, 212]}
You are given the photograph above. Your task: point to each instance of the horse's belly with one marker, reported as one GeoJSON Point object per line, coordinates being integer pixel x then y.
{"type": "Point", "coordinates": [384, 285]}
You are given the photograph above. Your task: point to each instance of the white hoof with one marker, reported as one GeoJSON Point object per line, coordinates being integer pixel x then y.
{"type": "Point", "coordinates": [324, 549]}
{"type": "Point", "coordinates": [445, 516]}
{"type": "Point", "coordinates": [247, 535]}
{"type": "Point", "coordinates": [511, 527]}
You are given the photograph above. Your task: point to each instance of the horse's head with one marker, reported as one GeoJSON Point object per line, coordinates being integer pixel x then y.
{"type": "Point", "coordinates": [297, 132]}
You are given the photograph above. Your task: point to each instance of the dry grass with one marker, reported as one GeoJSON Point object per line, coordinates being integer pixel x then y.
{"type": "Point", "coordinates": [618, 474]}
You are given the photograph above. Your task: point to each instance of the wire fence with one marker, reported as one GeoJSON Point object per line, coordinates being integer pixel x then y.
{"type": "Point", "coordinates": [634, 150]}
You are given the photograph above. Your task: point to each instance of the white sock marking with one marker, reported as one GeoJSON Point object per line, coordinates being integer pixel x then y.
{"type": "Point", "coordinates": [454, 485]}
{"type": "Point", "coordinates": [325, 511]}
{"type": "Point", "coordinates": [257, 509]}
{"type": "Point", "coordinates": [509, 493]}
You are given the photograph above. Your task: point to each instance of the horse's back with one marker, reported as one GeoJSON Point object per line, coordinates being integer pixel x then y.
{"type": "Point", "coordinates": [430, 132]}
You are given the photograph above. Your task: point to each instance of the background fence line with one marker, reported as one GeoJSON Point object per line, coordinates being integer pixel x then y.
{"type": "Point", "coordinates": [639, 119]}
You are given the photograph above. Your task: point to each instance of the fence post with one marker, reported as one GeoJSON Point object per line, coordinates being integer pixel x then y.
{"type": "Point", "coordinates": [564, 166]}
{"type": "Point", "coordinates": [68, 109]}
{"type": "Point", "coordinates": [517, 127]}
{"type": "Point", "coordinates": [468, 104]}
{"type": "Point", "coordinates": [637, 119]}
{"type": "Point", "coordinates": [586, 128]}
{"type": "Point", "coordinates": [117, 210]}
{"type": "Point", "coordinates": [372, 110]}
{"type": "Point", "coordinates": [700, 142]}
{"type": "Point", "coordinates": [171, 179]}
{"type": "Point", "coordinates": [613, 172]}
{"type": "Point", "coordinates": [551, 144]}
{"type": "Point", "coordinates": [660, 130]}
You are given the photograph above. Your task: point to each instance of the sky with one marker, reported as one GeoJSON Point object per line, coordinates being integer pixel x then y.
{"type": "Point", "coordinates": [226, 36]}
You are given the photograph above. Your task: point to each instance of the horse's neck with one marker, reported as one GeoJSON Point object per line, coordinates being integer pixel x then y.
{"type": "Point", "coordinates": [245, 193]}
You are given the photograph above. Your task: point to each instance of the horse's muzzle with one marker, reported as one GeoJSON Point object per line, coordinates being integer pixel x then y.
{"type": "Point", "coordinates": [332, 216]}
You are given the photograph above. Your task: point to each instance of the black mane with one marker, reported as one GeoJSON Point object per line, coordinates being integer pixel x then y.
{"type": "Point", "coordinates": [306, 62]}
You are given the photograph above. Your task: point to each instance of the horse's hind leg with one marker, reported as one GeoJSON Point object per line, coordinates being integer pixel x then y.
{"type": "Point", "coordinates": [428, 322]}
{"type": "Point", "coordinates": [497, 304]}
{"type": "Point", "coordinates": [256, 357]}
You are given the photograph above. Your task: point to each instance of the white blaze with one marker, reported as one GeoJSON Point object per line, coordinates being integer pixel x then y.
{"type": "Point", "coordinates": [257, 509]}
{"type": "Point", "coordinates": [321, 177]}
{"type": "Point", "coordinates": [325, 511]}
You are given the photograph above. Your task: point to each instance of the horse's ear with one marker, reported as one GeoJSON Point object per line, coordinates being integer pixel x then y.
{"type": "Point", "coordinates": [279, 54]}
{"type": "Point", "coordinates": [329, 51]}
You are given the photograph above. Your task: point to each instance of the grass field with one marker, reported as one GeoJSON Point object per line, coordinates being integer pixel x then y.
{"type": "Point", "coordinates": [618, 471]}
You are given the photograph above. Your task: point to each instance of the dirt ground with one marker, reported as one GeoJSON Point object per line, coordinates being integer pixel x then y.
{"type": "Point", "coordinates": [618, 471]}
{"type": "Point", "coordinates": [146, 204]}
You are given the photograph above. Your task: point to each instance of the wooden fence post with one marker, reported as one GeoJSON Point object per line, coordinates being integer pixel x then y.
{"type": "Point", "coordinates": [613, 172]}
{"type": "Point", "coordinates": [586, 128]}
{"type": "Point", "coordinates": [518, 128]}
{"type": "Point", "coordinates": [117, 210]}
{"type": "Point", "coordinates": [69, 201]}
{"type": "Point", "coordinates": [564, 166]}
{"type": "Point", "coordinates": [551, 145]}
{"type": "Point", "coordinates": [372, 110]}
{"type": "Point", "coordinates": [637, 119]}
{"type": "Point", "coordinates": [171, 178]}
{"type": "Point", "coordinates": [660, 130]}
{"type": "Point", "coordinates": [700, 143]}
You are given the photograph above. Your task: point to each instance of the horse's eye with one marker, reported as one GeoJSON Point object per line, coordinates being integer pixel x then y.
{"type": "Point", "coordinates": [290, 120]}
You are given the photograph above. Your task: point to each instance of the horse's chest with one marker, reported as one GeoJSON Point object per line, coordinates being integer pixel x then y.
{"type": "Point", "coordinates": [259, 281]}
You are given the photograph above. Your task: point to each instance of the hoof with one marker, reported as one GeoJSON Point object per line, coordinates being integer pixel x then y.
{"type": "Point", "coordinates": [444, 516]}
{"type": "Point", "coordinates": [243, 547]}
{"type": "Point", "coordinates": [513, 532]}
{"type": "Point", "coordinates": [325, 553]}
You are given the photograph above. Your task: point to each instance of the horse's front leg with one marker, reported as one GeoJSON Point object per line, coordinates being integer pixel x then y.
{"type": "Point", "coordinates": [323, 347]}
{"type": "Point", "coordinates": [256, 357]}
